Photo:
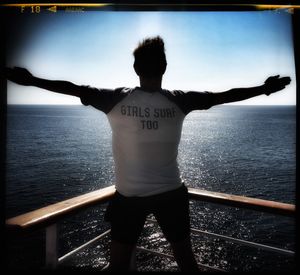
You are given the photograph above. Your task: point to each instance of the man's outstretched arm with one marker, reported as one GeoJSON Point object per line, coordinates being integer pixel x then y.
{"type": "Point", "coordinates": [24, 77]}
{"type": "Point", "coordinates": [272, 84]}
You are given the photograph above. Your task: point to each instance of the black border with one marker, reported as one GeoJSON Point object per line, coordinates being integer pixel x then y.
{"type": "Point", "coordinates": [146, 5]}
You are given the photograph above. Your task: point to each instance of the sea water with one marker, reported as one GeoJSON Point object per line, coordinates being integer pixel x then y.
{"type": "Point", "coordinates": [58, 152]}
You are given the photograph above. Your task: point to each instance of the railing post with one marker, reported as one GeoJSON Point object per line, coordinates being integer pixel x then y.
{"type": "Point", "coordinates": [133, 260]}
{"type": "Point", "coordinates": [51, 246]}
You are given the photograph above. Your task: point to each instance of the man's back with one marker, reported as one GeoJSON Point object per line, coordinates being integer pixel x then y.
{"type": "Point", "coordinates": [146, 129]}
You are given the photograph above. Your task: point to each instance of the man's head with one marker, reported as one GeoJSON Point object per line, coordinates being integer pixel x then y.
{"type": "Point", "coordinates": [149, 58]}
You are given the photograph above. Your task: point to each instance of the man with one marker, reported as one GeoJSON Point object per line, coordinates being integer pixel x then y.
{"type": "Point", "coordinates": [146, 124]}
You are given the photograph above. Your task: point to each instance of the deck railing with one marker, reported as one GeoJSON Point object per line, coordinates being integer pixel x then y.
{"type": "Point", "coordinates": [48, 217]}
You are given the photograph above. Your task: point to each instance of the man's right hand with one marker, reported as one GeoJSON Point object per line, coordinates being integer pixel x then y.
{"type": "Point", "coordinates": [276, 83]}
{"type": "Point", "coordinates": [19, 75]}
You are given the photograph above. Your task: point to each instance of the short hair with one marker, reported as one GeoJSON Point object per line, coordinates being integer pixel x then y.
{"type": "Point", "coordinates": [149, 57]}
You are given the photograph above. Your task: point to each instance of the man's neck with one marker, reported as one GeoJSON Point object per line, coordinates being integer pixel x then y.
{"type": "Point", "coordinates": [150, 84]}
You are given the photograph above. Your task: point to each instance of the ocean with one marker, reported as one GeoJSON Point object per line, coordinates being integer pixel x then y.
{"type": "Point", "coordinates": [58, 152]}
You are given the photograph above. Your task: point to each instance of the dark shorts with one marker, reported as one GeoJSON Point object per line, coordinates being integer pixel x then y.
{"type": "Point", "coordinates": [127, 215]}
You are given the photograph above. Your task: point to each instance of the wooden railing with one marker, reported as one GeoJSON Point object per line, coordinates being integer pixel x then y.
{"type": "Point", "coordinates": [51, 214]}
{"type": "Point", "coordinates": [47, 217]}
{"type": "Point", "coordinates": [243, 202]}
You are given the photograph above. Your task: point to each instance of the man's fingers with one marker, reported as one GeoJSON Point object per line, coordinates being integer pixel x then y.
{"type": "Point", "coordinates": [8, 72]}
{"type": "Point", "coordinates": [274, 83]}
{"type": "Point", "coordinates": [274, 80]}
{"type": "Point", "coordinates": [286, 80]}
{"type": "Point", "coordinates": [19, 70]}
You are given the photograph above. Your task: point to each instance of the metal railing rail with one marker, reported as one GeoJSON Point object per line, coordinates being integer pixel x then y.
{"type": "Point", "coordinates": [247, 243]}
{"type": "Point", "coordinates": [85, 245]}
{"type": "Point", "coordinates": [143, 249]}
{"type": "Point", "coordinates": [239, 241]}
{"type": "Point", "coordinates": [47, 218]}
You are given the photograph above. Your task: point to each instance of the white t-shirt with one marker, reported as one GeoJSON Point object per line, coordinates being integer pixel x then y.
{"type": "Point", "coordinates": [146, 130]}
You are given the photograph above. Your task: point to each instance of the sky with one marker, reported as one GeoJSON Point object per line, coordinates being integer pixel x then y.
{"type": "Point", "coordinates": [206, 51]}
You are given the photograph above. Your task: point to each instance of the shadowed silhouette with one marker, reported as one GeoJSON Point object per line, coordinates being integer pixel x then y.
{"type": "Point", "coordinates": [146, 122]}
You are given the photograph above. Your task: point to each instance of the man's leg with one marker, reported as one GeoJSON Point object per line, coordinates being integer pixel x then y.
{"type": "Point", "coordinates": [184, 256]}
{"type": "Point", "coordinates": [121, 256]}
{"type": "Point", "coordinates": [172, 214]}
{"type": "Point", "coordinates": [127, 219]}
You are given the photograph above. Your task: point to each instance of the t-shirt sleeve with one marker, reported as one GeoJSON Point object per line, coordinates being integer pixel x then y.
{"type": "Point", "coordinates": [198, 100]}
{"type": "Point", "coordinates": [102, 99]}
{"type": "Point", "coordinates": [190, 101]}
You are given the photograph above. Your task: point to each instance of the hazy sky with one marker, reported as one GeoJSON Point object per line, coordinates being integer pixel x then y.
{"type": "Point", "coordinates": [206, 51]}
